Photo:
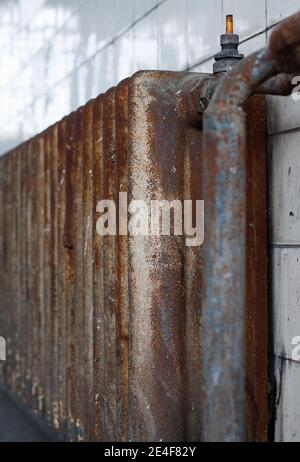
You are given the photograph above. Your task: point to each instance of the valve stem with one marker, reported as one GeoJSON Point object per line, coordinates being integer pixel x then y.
{"type": "Point", "coordinates": [229, 24]}
{"type": "Point", "coordinates": [229, 54]}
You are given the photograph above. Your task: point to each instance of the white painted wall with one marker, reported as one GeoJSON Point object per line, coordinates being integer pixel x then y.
{"type": "Point", "coordinates": [57, 54]}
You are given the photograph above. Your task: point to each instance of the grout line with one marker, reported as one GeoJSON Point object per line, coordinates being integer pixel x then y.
{"type": "Point", "coordinates": [35, 13]}
{"type": "Point", "coordinates": [285, 132]}
{"type": "Point", "coordinates": [284, 246]}
{"type": "Point", "coordinates": [286, 358]}
{"type": "Point", "coordinates": [111, 42]}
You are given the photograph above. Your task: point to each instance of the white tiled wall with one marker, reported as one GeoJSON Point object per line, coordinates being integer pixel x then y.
{"type": "Point", "coordinates": [284, 139]}
{"type": "Point", "coordinates": [287, 425]}
{"type": "Point", "coordinates": [284, 142]}
{"type": "Point", "coordinates": [57, 54]}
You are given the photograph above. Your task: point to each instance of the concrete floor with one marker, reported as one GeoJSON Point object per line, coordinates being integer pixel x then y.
{"type": "Point", "coordinates": [16, 426]}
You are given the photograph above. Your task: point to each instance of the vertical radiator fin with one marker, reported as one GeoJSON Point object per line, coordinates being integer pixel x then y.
{"type": "Point", "coordinates": [104, 333]}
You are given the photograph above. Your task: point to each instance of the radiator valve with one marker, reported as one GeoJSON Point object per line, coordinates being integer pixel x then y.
{"type": "Point", "coordinates": [229, 54]}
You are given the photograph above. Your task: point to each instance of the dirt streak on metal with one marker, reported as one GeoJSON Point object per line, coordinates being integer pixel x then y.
{"type": "Point", "coordinates": [257, 272]}
{"type": "Point", "coordinates": [122, 336]}
{"type": "Point", "coordinates": [110, 271]}
{"type": "Point", "coordinates": [87, 367]}
{"type": "Point", "coordinates": [224, 274]}
{"type": "Point", "coordinates": [98, 273]}
{"type": "Point", "coordinates": [124, 315]}
{"type": "Point", "coordinates": [157, 264]}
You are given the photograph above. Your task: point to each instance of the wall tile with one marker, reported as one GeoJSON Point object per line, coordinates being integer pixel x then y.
{"type": "Point", "coordinates": [40, 32]}
{"type": "Point", "coordinates": [145, 38]}
{"type": "Point", "coordinates": [7, 26]}
{"type": "Point", "coordinates": [10, 136]}
{"type": "Point", "coordinates": [287, 422]}
{"type": "Point", "coordinates": [205, 26]}
{"type": "Point", "coordinates": [252, 45]}
{"type": "Point", "coordinates": [284, 188]}
{"type": "Point", "coordinates": [107, 76]}
{"type": "Point", "coordinates": [48, 42]}
{"type": "Point", "coordinates": [124, 56]}
{"type": "Point", "coordinates": [248, 18]}
{"type": "Point", "coordinates": [283, 113]}
{"type": "Point", "coordinates": [27, 9]}
{"type": "Point", "coordinates": [123, 14]}
{"type": "Point", "coordinates": [286, 299]}
{"type": "Point", "coordinates": [206, 67]}
{"type": "Point", "coordinates": [63, 10]}
{"type": "Point", "coordinates": [278, 10]}
{"type": "Point", "coordinates": [142, 6]}
{"type": "Point", "coordinates": [172, 35]}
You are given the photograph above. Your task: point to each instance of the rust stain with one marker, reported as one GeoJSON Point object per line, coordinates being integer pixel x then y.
{"type": "Point", "coordinates": [113, 325]}
{"type": "Point", "coordinates": [257, 272]}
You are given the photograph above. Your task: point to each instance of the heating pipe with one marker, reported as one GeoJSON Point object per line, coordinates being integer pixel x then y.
{"type": "Point", "coordinates": [224, 315]}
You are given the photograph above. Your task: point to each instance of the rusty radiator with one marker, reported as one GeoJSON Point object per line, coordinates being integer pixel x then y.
{"type": "Point", "coordinates": [104, 334]}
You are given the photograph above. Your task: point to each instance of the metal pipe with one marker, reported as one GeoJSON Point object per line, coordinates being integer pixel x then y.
{"type": "Point", "coordinates": [224, 193]}
{"type": "Point", "coordinates": [281, 84]}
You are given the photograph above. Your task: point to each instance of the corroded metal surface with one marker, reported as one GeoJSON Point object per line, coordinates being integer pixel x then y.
{"type": "Point", "coordinates": [99, 328]}
{"type": "Point", "coordinates": [224, 164]}
{"type": "Point", "coordinates": [225, 256]}
{"type": "Point", "coordinates": [161, 301]}
{"type": "Point", "coordinates": [105, 334]}
{"type": "Point", "coordinates": [257, 417]}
